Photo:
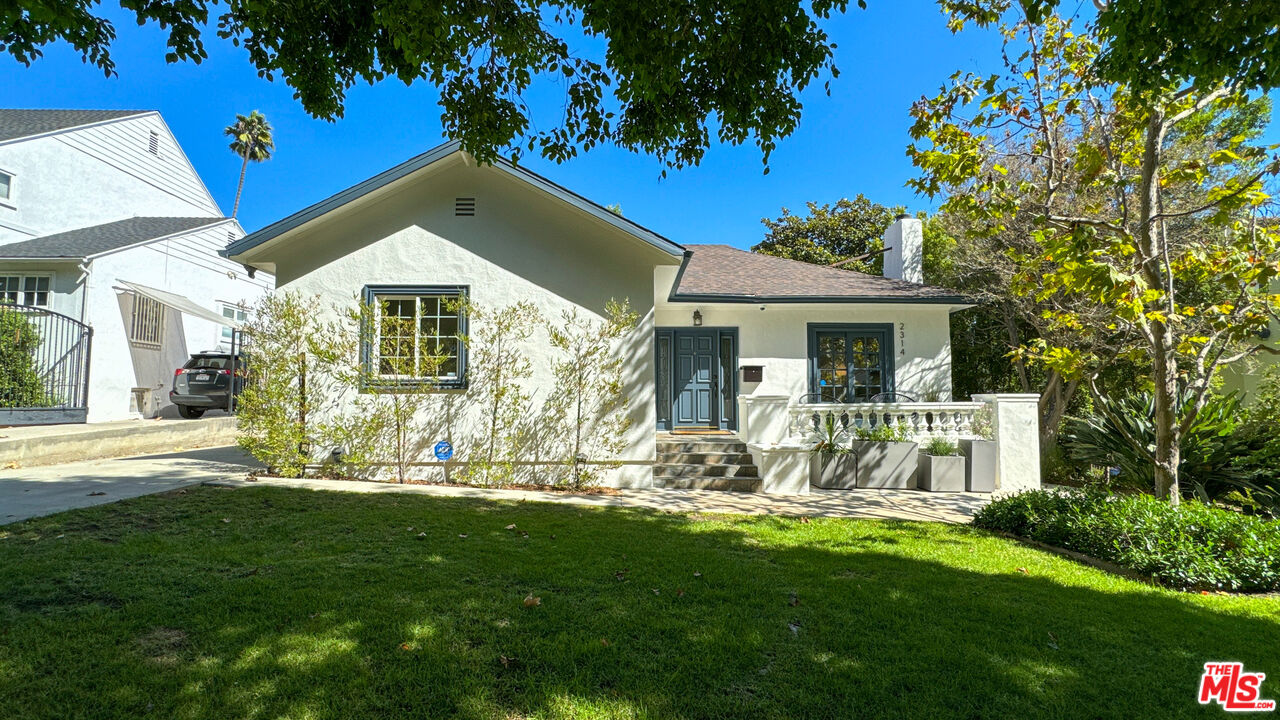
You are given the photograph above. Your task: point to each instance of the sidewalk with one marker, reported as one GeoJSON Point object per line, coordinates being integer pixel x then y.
{"type": "Point", "coordinates": [883, 504]}
{"type": "Point", "coordinates": [37, 491]}
{"type": "Point", "coordinates": [27, 446]}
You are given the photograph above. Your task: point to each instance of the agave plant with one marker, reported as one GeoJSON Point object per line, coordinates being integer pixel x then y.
{"type": "Point", "coordinates": [1209, 469]}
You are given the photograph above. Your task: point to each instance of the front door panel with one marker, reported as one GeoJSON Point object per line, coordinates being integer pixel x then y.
{"type": "Point", "coordinates": [696, 399]}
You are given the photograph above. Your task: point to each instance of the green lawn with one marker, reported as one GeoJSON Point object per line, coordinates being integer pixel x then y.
{"type": "Point", "coordinates": [266, 603]}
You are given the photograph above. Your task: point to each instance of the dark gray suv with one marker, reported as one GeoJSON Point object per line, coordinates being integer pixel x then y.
{"type": "Point", "coordinates": [204, 381]}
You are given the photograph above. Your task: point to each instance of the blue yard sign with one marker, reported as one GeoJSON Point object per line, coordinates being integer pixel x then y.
{"type": "Point", "coordinates": [444, 450]}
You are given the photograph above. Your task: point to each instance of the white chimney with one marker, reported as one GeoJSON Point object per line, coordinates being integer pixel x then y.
{"type": "Point", "coordinates": [905, 243]}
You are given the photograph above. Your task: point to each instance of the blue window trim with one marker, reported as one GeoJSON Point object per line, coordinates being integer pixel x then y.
{"type": "Point", "coordinates": [888, 360]}
{"type": "Point", "coordinates": [369, 295]}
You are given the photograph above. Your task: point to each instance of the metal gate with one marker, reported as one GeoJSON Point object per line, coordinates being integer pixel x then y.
{"type": "Point", "coordinates": [44, 366]}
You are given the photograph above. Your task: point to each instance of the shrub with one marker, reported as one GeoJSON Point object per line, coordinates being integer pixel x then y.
{"type": "Point", "coordinates": [883, 432]}
{"type": "Point", "coordinates": [941, 447]}
{"type": "Point", "coordinates": [20, 384]}
{"type": "Point", "coordinates": [1193, 546]}
{"type": "Point", "coordinates": [1212, 449]}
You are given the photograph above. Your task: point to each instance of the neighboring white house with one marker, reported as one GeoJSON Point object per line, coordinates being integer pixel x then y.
{"type": "Point", "coordinates": [728, 342]}
{"type": "Point", "coordinates": [104, 223]}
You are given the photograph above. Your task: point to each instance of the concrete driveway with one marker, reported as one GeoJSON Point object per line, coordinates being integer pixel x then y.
{"type": "Point", "coordinates": [36, 491]}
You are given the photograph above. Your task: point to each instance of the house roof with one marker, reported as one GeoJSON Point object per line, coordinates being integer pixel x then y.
{"type": "Point", "coordinates": [721, 273]}
{"type": "Point", "coordinates": [97, 239]}
{"type": "Point", "coordinates": [16, 123]}
{"type": "Point", "coordinates": [436, 154]}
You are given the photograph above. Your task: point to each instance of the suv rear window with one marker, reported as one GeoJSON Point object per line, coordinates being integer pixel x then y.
{"type": "Point", "coordinates": [212, 362]}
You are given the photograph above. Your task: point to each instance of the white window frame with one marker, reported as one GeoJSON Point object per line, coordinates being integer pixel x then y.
{"type": "Point", "coordinates": [240, 313]}
{"type": "Point", "coordinates": [23, 296]}
{"type": "Point", "coordinates": [146, 323]}
{"type": "Point", "coordinates": [12, 200]}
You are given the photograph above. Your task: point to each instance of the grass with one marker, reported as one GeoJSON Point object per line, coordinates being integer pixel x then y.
{"type": "Point", "coordinates": [272, 603]}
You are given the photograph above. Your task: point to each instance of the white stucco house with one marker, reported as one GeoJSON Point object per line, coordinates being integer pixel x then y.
{"type": "Point", "coordinates": [735, 347]}
{"type": "Point", "coordinates": [109, 246]}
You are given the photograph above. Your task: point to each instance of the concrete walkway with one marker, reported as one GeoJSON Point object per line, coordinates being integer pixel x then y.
{"type": "Point", "coordinates": [884, 504]}
{"type": "Point", "coordinates": [32, 492]}
{"type": "Point", "coordinates": [27, 446]}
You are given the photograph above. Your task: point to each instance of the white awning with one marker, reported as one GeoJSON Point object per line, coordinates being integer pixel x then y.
{"type": "Point", "coordinates": [178, 302]}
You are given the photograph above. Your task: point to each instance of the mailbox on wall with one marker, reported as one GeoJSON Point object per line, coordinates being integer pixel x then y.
{"type": "Point", "coordinates": [752, 373]}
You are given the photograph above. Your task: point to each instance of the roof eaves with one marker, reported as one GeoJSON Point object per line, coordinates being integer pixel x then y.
{"type": "Point", "coordinates": [69, 128]}
{"type": "Point", "coordinates": [333, 202]}
{"type": "Point", "coordinates": [863, 299]}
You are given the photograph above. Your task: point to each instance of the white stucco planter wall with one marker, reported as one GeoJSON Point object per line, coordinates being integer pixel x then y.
{"type": "Point", "coordinates": [784, 468]}
{"type": "Point", "coordinates": [1016, 418]}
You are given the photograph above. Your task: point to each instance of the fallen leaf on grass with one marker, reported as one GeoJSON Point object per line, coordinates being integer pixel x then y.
{"type": "Point", "coordinates": [531, 601]}
{"type": "Point", "coordinates": [795, 600]}
{"type": "Point", "coordinates": [804, 520]}
{"type": "Point", "coordinates": [656, 591]}
{"type": "Point", "coordinates": [226, 520]}
{"type": "Point", "coordinates": [553, 537]}
{"type": "Point", "coordinates": [794, 627]}
{"type": "Point", "coordinates": [697, 573]}
{"type": "Point", "coordinates": [506, 661]}
{"type": "Point", "coordinates": [621, 575]}
{"type": "Point", "coordinates": [462, 535]}
{"type": "Point", "coordinates": [1023, 571]}
{"type": "Point", "coordinates": [679, 592]}
{"type": "Point", "coordinates": [422, 534]}
{"type": "Point", "coordinates": [512, 526]}
{"type": "Point", "coordinates": [405, 646]}
{"type": "Point", "coordinates": [604, 642]}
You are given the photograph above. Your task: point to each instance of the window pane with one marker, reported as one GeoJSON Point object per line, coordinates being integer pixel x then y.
{"type": "Point", "coordinates": [6, 186]}
{"type": "Point", "coordinates": [430, 305]}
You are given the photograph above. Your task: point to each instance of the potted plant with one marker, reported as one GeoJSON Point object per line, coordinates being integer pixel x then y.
{"type": "Point", "coordinates": [941, 467]}
{"type": "Point", "coordinates": [833, 466]}
{"type": "Point", "coordinates": [886, 457]}
{"type": "Point", "coordinates": [980, 454]}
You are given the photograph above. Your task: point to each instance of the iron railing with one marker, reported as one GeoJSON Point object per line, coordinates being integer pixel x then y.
{"type": "Point", "coordinates": [44, 359]}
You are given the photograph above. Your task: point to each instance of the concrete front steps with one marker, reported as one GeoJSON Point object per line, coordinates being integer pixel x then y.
{"type": "Point", "coordinates": [705, 462]}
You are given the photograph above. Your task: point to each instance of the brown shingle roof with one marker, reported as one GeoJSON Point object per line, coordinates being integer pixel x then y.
{"type": "Point", "coordinates": [722, 272]}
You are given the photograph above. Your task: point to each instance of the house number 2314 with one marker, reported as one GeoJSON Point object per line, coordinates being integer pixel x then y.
{"type": "Point", "coordinates": [902, 339]}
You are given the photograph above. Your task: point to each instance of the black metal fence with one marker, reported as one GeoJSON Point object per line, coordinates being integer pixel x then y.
{"type": "Point", "coordinates": [44, 359]}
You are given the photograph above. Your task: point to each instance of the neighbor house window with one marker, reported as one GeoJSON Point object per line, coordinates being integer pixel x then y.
{"type": "Point", "coordinates": [416, 335]}
{"type": "Point", "coordinates": [6, 186]}
{"type": "Point", "coordinates": [232, 312]}
{"type": "Point", "coordinates": [850, 363]}
{"type": "Point", "coordinates": [25, 289]}
{"type": "Point", "coordinates": [146, 327]}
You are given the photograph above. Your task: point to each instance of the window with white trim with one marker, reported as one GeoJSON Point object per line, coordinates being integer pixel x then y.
{"type": "Point", "coordinates": [25, 289]}
{"type": "Point", "coordinates": [233, 312]}
{"type": "Point", "coordinates": [146, 327]}
{"type": "Point", "coordinates": [416, 335]}
{"type": "Point", "coordinates": [6, 186]}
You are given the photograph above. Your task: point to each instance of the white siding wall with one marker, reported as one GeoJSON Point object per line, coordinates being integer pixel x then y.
{"type": "Point", "coordinates": [521, 245]}
{"type": "Point", "coordinates": [187, 265]}
{"type": "Point", "coordinates": [98, 174]}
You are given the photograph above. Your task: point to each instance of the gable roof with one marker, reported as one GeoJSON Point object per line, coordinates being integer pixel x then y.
{"type": "Point", "coordinates": [18, 123]}
{"type": "Point", "coordinates": [721, 273]}
{"type": "Point", "coordinates": [415, 164]}
{"type": "Point", "coordinates": [97, 239]}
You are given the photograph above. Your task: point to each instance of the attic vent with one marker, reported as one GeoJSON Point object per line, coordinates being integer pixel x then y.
{"type": "Point", "coordinates": [464, 207]}
{"type": "Point", "coordinates": [153, 143]}
{"type": "Point", "coordinates": [231, 236]}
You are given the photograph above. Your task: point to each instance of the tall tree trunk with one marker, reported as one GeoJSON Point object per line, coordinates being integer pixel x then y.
{"type": "Point", "coordinates": [244, 165]}
{"type": "Point", "coordinates": [1164, 360]}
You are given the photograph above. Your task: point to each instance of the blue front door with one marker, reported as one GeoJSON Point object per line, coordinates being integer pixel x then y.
{"type": "Point", "coordinates": [696, 401]}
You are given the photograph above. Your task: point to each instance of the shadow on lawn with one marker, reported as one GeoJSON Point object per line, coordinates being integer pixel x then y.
{"type": "Point", "coordinates": [329, 606]}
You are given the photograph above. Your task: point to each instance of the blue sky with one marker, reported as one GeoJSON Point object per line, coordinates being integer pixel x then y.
{"type": "Point", "coordinates": [851, 142]}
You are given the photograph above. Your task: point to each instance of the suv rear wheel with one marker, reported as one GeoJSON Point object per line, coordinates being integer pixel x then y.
{"type": "Point", "coordinates": [190, 413]}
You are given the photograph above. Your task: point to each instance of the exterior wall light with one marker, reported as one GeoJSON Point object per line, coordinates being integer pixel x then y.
{"type": "Point", "coordinates": [697, 318]}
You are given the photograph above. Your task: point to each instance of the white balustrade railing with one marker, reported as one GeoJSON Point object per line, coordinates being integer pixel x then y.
{"type": "Point", "coordinates": [922, 420]}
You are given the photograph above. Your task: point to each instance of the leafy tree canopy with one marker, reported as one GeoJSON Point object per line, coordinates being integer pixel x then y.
{"type": "Point", "coordinates": [678, 71]}
{"type": "Point", "coordinates": [1150, 46]}
{"type": "Point", "coordinates": [830, 234]}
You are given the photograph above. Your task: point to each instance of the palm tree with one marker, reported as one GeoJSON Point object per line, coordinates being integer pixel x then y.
{"type": "Point", "coordinates": [251, 140]}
